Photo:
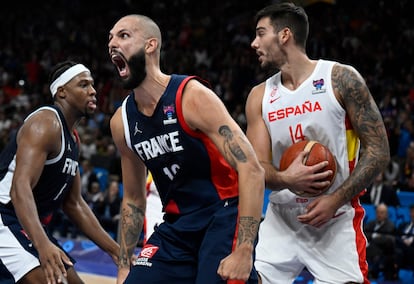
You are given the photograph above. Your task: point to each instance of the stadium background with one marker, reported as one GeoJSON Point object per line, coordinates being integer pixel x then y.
{"type": "Point", "coordinates": [206, 38]}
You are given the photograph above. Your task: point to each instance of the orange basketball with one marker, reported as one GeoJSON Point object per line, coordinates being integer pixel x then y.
{"type": "Point", "coordinates": [317, 153]}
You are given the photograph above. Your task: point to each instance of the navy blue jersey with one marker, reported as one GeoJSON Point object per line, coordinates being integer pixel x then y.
{"type": "Point", "coordinates": [188, 170]}
{"type": "Point", "coordinates": [57, 175]}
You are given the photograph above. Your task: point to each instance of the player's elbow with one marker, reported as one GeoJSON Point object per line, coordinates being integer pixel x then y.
{"type": "Point", "coordinates": [69, 206]}
{"type": "Point", "coordinates": [261, 172]}
{"type": "Point", "coordinates": [384, 158]}
{"type": "Point", "coordinates": [135, 199]}
{"type": "Point", "coordinates": [256, 172]}
{"type": "Point", "coordinates": [17, 195]}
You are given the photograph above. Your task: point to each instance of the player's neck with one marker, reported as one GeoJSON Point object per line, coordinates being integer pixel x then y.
{"type": "Point", "coordinates": [69, 115]}
{"type": "Point", "coordinates": [294, 73]}
{"type": "Point", "coordinates": [150, 91]}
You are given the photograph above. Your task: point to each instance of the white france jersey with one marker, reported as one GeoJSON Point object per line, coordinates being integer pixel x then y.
{"type": "Point", "coordinates": [310, 112]}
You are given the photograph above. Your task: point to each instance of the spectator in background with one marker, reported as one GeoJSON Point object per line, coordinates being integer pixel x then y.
{"type": "Point", "coordinates": [88, 147]}
{"type": "Point", "coordinates": [389, 110]}
{"type": "Point", "coordinates": [114, 170]}
{"type": "Point", "coordinates": [406, 134]}
{"type": "Point", "coordinates": [109, 160]}
{"type": "Point", "coordinates": [381, 251]}
{"type": "Point", "coordinates": [405, 243]}
{"type": "Point", "coordinates": [380, 192]}
{"type": "Point", "coordinates": [94, 195]}
{"type": "Point", "coordinates": [5, 124]}
{"type": "Point", "coordinates": [5, 121]}
{"type": "Point", "coordinates": [88, 176]}
{"type": "Point", "coordinates": [107, 207]}
{"type": "Point", "coordinates": [392, 173]}
{"type": "Point", "coordinates": [407, 179]}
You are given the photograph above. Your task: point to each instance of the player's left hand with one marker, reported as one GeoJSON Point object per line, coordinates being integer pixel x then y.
{"type": "Point", "coordinates": [236, 266]}
{"type": "Point", "coordinates": [319, 211]}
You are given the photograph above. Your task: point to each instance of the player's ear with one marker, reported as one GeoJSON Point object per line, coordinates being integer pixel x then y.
{"type": "Point", "coordinates": [60, 92]}
{"type": "Point", "coordinates": [151, 45]}
{"type": "Point", "coordinates": [285, 34]}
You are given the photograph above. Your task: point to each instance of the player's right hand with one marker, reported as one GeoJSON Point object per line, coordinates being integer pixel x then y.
{"type": "Point", "coordinates": [305, 179]}
{"type": "Point", "coordinates": [52, 260]}
{"type": "Point", "coordinates": [237, 265]}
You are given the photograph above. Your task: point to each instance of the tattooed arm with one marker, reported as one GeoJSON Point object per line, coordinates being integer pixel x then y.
{"type": "Point", "coordinates": [354, 95]}
{"type": "Point", "coordinates": [134, 197]}
{"type": "Point", "coordinates": [203, 111]}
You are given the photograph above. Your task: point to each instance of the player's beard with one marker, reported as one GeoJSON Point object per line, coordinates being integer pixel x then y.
{"type": "Point", "coordinates": [137, 70]}
{"type": "Point", "coordinates": [277, 59]}
{"type": "Point", "coordinates": [270, 68]}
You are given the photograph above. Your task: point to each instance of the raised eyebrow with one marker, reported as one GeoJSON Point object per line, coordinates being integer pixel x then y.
{"type": "Point", "coordinates": [123, 31]}
{"type": "Point", "coordinates": [111, 34]}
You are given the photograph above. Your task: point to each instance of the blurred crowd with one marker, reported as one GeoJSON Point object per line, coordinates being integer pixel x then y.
{"type": "Point", "coordinates": [210, 39]}
{"type": "Point", "coordinates": [390, 244]}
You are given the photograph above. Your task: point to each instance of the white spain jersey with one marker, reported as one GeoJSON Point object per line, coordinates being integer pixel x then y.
{"type": "Point", "coordinates": [310, 112]}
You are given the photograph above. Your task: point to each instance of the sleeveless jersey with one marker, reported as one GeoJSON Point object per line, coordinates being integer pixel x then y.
{"type": "Point", "coordinates": [310, 112]}
{"type": "Point", "coordinates": [188, 170]}
{"type": "Point", "coordinates": [57, 175]}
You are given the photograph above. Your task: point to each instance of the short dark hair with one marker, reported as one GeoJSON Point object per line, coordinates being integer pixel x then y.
{"type": "Point", "coordinates": [59, 68]}
{"type": "Point", "coordinates": [287, 15]}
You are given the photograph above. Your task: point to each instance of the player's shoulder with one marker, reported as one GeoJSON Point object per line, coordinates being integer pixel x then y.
{"type": "Point", "coordinates": [343, 70]}
{"type": "Point", "coordinates": [45, 117]}
{"type": "Point", "coordinates": [257, 91]}
{"type": "Point", "coordinates": [196, 90]}
{"type": "Point", "coordinates": [255, 97]}
{"type": "Point", "coordinates": [116, 117]}
{"type": "Point", "coordinates": [43, 112]}
{"type": "Point", "coordinates": [42, 126]}
{"type": "Point", "coordinates": [196, 83]}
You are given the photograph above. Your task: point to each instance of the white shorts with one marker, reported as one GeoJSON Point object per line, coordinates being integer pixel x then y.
{"type": "Point", "coordinates": [18, 256]}
{"type": "Point", "coordinates": [334, 253]}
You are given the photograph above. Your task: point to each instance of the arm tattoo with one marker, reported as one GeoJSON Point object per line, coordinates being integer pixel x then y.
{"type": "Point", "coordinates": [131, 226]}
{"type": "Point", "coordinates": [230, 143]}
{"type": "Point", "coordinates": [367, 122]}
{"type": "Point", "coordinates": [248, 228]}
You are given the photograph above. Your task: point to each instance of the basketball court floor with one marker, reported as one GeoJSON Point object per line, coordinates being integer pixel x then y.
{"type": "Point", "coordinates": [96, 267]}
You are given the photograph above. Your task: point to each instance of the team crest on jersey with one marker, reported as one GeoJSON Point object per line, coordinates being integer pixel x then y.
{"type": "Point", "coordinates": [319, 86]}
{"type": "Point", "coordinates": [169, 111]}
{"type": "Point", "coordinates": [145, 255]}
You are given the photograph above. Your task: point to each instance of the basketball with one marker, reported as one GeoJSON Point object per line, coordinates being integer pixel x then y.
{"type": "Point", "coordinates": [317, 153]}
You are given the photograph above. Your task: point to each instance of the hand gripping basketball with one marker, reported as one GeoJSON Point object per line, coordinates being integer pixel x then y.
{"type": "Point", "coordinates": [317, 153]}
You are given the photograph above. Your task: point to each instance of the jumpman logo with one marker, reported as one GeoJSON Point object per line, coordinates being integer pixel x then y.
{"type": "Point", "coordinates": [136, 129]}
